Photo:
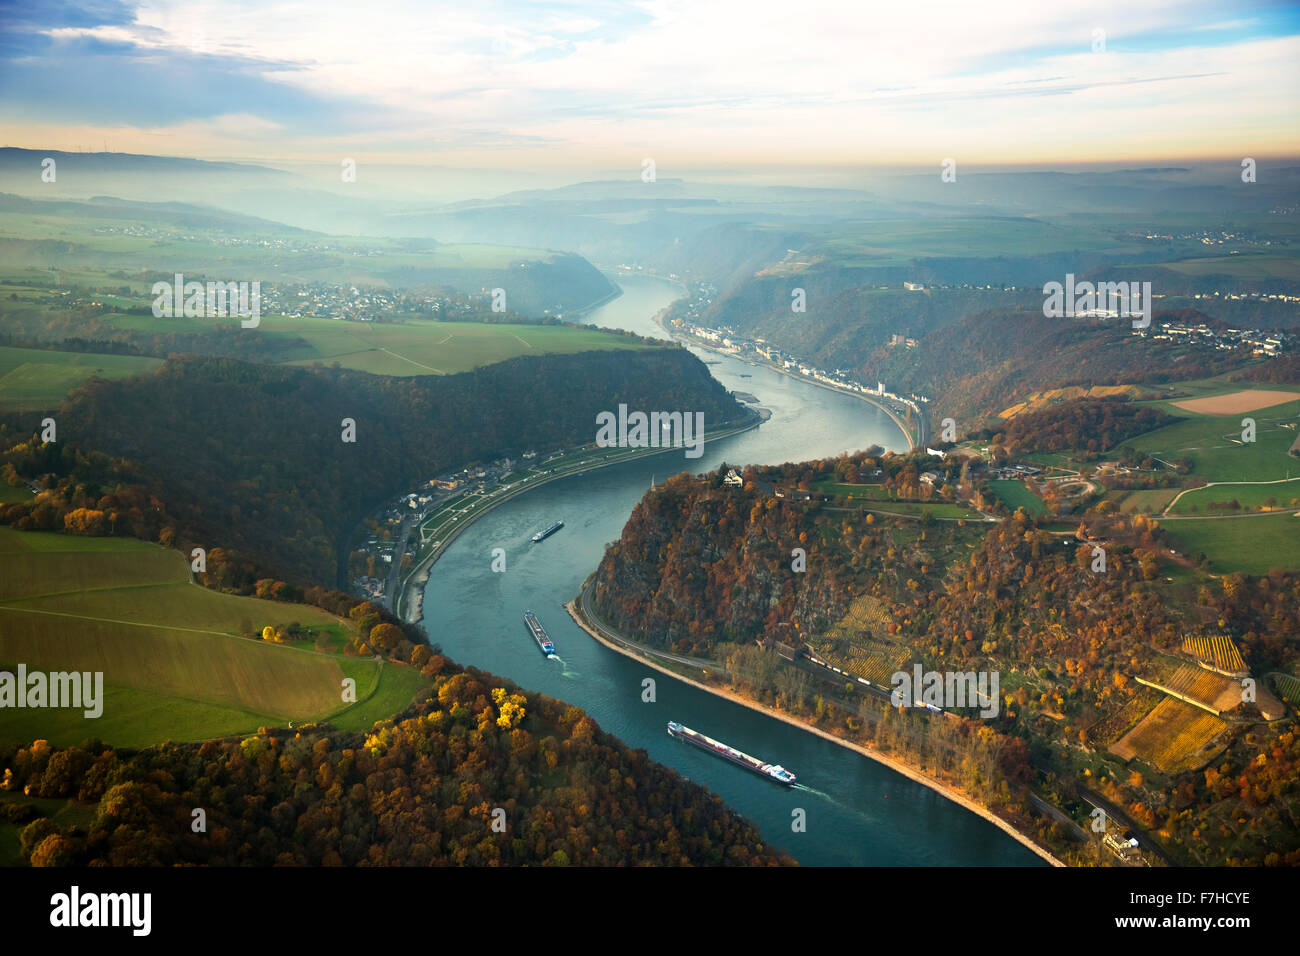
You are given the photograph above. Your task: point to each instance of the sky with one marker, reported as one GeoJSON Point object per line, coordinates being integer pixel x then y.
{"type": "Point", "coordinates": [727, 84]}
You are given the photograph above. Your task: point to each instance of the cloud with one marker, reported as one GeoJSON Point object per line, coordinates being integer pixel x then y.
{"type": "Point", "coordinates": [693, 78]}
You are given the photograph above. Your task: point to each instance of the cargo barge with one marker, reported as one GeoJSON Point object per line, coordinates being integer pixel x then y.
{"type": "Point", "coordinates": [547, 532]}
{"type": "Point", "coordinates": [539, 633]}
{"type": "Point", "coordinates": [716, 747]}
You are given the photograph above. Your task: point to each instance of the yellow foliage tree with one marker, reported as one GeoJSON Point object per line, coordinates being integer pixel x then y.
{"type": "Point", "coordinates": [510, 706]}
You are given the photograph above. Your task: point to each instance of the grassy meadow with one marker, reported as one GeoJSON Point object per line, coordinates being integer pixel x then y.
{"type": "Point", "coordinates": [37, 379]}
{"type": "Point", "coordinates": [1015, 495]}
{"type": "Point", "coordinates": [175, 663]}
{"type": "Point", "coordinates": [1252, 544]}
{"type": "Point", "coordinates": [1213, 443]}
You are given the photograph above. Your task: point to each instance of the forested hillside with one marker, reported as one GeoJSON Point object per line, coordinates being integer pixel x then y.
{"type": "Point", "coordinates": [1091, 425]}
{"type": "Point", "coordinates": [556, 284]}
{"type": "Point", "coordinates": [479, 773]}
{"type": "Point", "coordinates": [251, 458]}
{"type": "Point", "coordinates": [706, 569]}
{"type": "Point", "coordinates": [974, 351]}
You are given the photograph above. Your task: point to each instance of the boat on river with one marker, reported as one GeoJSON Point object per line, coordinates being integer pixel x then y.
{"type": "Point", "coordinates": [539, 633]}
{"type": "Point", "coordinates": [716, 747]}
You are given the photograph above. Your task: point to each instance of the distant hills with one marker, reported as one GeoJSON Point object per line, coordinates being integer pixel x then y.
{"type": "Point", "coordinates": [69, 233]}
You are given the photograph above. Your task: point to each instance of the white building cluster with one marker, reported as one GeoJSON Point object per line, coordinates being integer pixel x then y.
{"type": "Point", "coordinates": [728, 340]}
{"type": "Point", "coordinates": [1267, 344]}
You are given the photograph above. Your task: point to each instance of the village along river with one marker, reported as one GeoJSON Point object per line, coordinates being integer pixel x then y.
{"type": "Point", "coordinates": [858, 812]}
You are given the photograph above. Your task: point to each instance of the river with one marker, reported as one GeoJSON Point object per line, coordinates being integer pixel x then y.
{"type": "Point", "coordinates": [857, 812]}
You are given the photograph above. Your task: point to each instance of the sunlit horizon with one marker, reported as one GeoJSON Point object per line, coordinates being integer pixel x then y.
{"type": "Point", "coordinates": [713, 85]}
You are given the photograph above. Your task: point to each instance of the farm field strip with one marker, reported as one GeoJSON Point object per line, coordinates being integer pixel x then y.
{"type": "Point", "coordinates": [1204, 687]}
{"type": "Point", "coordinates": [36, 379]}
{"type": "Point", "coordinates": [1235, 403]}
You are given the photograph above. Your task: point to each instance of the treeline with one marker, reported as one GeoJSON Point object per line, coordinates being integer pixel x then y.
{"type": "Point", "coordinates": [479, 774]}
{"type": "Point", "coordinates": [217, 453]}
{"type": "Point", "coordinates": [71, 344]}
{"type": "Point", "coordinates": [91, 328]}
{"type": "Point", "coordinates": [1090, 425]}
{"type": "Point", "coordinates": [1283, 370]}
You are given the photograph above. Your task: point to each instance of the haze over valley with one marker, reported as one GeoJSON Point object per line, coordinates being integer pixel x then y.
{"type": "Point", "coordinates": [661, 434]}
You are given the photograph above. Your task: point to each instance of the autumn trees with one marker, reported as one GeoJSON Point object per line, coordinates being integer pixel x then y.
{"type": "Point", "coordinates": [422, 789]}
{"type": "Point", "coordinates": [1089, 426]}
{"type": "Point", "coordinates": [705, 570]}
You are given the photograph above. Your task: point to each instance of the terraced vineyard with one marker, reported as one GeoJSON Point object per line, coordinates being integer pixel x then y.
{"type": "Point", "coordinates": [1114, 725]}
{"type": "Point", "coordinates": [866, 613]}
{"type": "Point", "coordinates": [1175, 736]}
{"type": "Point", "coordinates": [1288, 688]}
{"type": "Point", "coordinates": [854, 643]}
{"type": "Point", "coordinates": [1205, 687]}
{"type": "Point", "coordinates": [876, 662]}
{"type": "Point", "coordinates": [1218, 651]}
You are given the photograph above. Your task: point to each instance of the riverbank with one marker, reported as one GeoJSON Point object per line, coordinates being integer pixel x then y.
{"type": "Point", "coordinates": [627, 649]}
{"type": "Point", "coordinates": [912, 443]}
{"type": "Point", "coordinates": [410, 608]}
{"type": "Point", "coordinates": [587, 310]}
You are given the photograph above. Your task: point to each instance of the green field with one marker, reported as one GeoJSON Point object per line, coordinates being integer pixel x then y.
{"type": "Point", "coordinates": [1245, 266]}
{"type": "Point", "coordinates": [917, 509]}
{"type": "Point", "coordinates": [1154, 500]}
{"type": "Point", "coordinates": [432, 348]}
{"type": "Point", "coordinates": [416, 347]}
{"type": "Point", "coordinates": [1251, 545]}
{"type": "Point", "coordinates": [1015, 495]}
{"type": "Point", "coordinates": [36, 379]}
{"type": "Point", "coordinates": [879, 498]}
{"type": "Point", "coordinates": [1213, 444]}
{"type": "Point", "coordinates": [175, 666]}
{"type": "Point", "coordinates": [1250, 497]}
{"type": "Point", "coordinates": [865, 492]}
{"type": "Point", "coordinates": [305, 256]}
{"type": "Point", "coordinates": [1053, 461]}
{"type": "Point", "coordinates": [109, 270]}
{"type": "Point", "coordinates": [12, 493]}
